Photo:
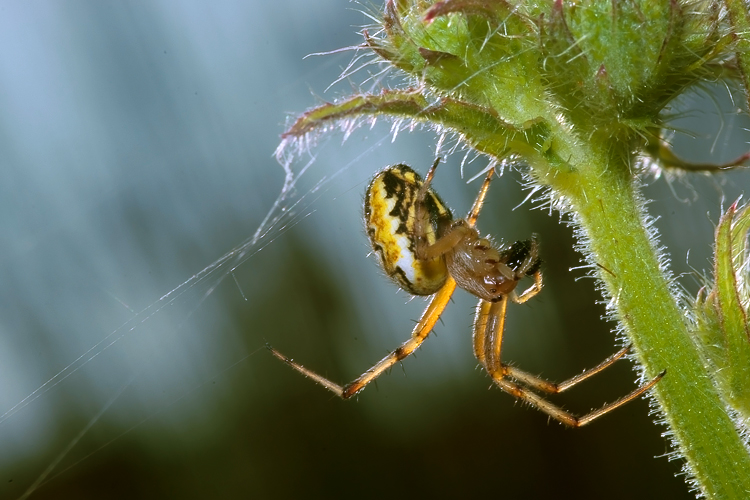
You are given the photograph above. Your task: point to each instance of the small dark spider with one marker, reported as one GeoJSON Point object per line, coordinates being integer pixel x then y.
{"type": "Point", "coordinates": [426, 252]}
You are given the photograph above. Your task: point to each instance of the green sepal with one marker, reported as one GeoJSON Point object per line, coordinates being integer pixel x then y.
{"type": "Point", "coordinates": [612, 63]}
{"type": "Point", "coordinates": [569, 75]}
{"type": "Point", "coordinates": [396, 47]}
{"type": "Point", "coordinates": [739, 16]}
{"type": "Point", "coordinates": [479, 52]}
{"type": "Point", "coordinates": [721, 313]}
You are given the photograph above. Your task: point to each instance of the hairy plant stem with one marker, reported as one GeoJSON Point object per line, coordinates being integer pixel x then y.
{"type": "Point", "coordinates": [606, 203]}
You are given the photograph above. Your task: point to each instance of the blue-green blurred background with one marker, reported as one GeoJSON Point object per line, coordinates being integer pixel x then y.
{"type": "Point", "coordinates": [136, 143]}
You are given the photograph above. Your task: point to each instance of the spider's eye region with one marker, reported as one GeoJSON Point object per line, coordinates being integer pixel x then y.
{"type": "Point", "coordinates": [391, 212]}
{"type": "Point", "coordinates": [481, 245]}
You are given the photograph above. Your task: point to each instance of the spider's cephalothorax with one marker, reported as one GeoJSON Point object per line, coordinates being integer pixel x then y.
{"type": "Point", "coordinates": [488, 272]}
{"type": "Point", "coordinates": [426, 252]}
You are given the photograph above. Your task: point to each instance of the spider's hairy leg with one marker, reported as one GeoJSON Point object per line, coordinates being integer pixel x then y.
{"type": "Point", "coordinates": [428, 177]}
{"type": "Point", "coordinates": [488, 336]}
{"type": "Point", "coordinates": [422, 329]}
{"type": "Point", "coordinates": [554, 411]}
{"type": "Point", "coordinates": [445, 244]}
{"type": "Point", "coordinates": [529, 292]}
{"type": "Point", "coordinates": [554, 388]}
{"type": "Point", "coordinates": [489, 325]}
{"type": "Point", "coordinates": [331, 386]}
{"type": "Point", "coordinates": [449, 240]}
{"type": "Point", "coordinates": [479, 202]}
{"type": "Point", "coordinates": [558, 413]}
{"type": "Point", "coordinates": [471, 219]}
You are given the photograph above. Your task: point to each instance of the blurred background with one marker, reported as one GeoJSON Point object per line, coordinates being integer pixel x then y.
{"type": "Point", "coordinates": [136, 159]}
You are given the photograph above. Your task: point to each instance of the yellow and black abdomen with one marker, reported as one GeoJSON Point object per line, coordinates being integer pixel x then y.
{"type": "Point", "coordinates": [390, 218]}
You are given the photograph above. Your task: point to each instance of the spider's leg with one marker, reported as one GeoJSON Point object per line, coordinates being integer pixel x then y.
{"type": "Point", "coordinates": [422, 216]}
{"type": "Point", "coordinates": [529, 292]}
{"type": "Point", "coordinates": [479, 202]}
{"type": "Point", "coordinates": [421, 213]}
{"type": "Point", "coordinates": [558, 413]}
{"type": "Point", "coordinates": [429, 176]}
{"type": "Point", "coordinates": [476, 207]}
{"type": "Point", "coordinates": [554, 388]}
{"type": "Point", "coordinates": [489, 324]}
{"type": "Point", "coordinates": [448, 241]}
{"type": "Point", "coordinates": [488, 336]}
{"type": "Point", "coordinates": [419, 334]}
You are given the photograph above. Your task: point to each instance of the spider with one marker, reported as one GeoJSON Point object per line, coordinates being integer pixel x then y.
{"type": "Point", "coordinates": [426, 252]}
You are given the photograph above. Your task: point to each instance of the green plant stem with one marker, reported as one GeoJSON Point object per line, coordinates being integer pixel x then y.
{"type": "Point", "coordinates": [607, 207]}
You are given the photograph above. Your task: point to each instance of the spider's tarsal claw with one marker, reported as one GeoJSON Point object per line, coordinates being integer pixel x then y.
{"type": "Point", "coordinates": [278, 355]}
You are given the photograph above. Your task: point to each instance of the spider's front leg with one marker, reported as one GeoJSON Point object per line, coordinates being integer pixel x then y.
{"type": "Point", "coordinates": [419, 334]}
{"type": "Point", "coordinates": [448, 235]}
